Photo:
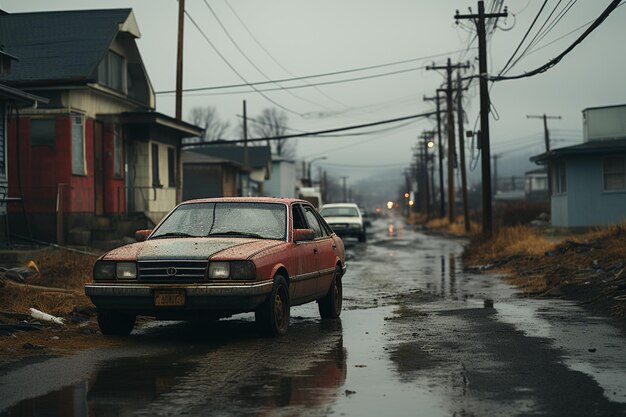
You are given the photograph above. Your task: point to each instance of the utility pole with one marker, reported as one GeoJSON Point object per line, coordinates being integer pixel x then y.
{"type": "Point", "coordinates": [451, 139]}
{"type": "Point", "coordinates": [442, 201]}
{"type": "Point", "coordinates": [546, 132]}
{"type": "Point", "coordinates": [459, 109]}
{"type": "Point", "coordinates": [179, 60]}
{"type": "Point", "coordinates": [485, 151]}
{"type": "Point", "coordinates": [345, 194]}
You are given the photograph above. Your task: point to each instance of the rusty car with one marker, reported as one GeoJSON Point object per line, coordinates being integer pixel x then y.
{"type": "Point", "coordinates": [213, 258]}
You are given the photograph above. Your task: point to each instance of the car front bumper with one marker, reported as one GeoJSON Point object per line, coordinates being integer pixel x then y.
{"type": "Point", "coordinates": [139, 298]}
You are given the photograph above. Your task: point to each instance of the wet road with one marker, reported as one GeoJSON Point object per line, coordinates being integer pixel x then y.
{"type": "Point", "coordinates": [416, 338]}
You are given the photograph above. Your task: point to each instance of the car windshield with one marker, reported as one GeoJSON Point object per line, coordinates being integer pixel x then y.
{"type": "Point", "coordinates": [260, 220]}
{"type": "Point", "coordinates": [340, 212]}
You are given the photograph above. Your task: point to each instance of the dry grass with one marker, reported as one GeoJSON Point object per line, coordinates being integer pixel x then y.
{"type": "Point", "coordinates": [457, 228]}
{"type": "Point", "coordinates": [506, 242]}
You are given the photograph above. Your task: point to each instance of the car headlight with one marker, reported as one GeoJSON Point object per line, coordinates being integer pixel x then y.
{"type": "Point", "coordinates": [103, 270]}
{"type": "Point", "coordinates": [126, 270]}
{"type": "Point", "coordinates": [219, 270]}
{"type": "Point", "coordinates": [242, 270]}
{"type": "Point", "coordinates": [236, 270]}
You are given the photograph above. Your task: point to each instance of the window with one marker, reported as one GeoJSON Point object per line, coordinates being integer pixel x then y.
{"type": "Point", "coordinates": [298, 220]}
{"type": "Point", "coordinates": [559, 178]}
{"type": "Point", "coordinates": [111, 71]}
{"type": "Point", "coordinates": [614, 173]}
{"type": "Point", "coordinates": [313, 222]}
{"type": "Point", "coordinates": [156, 181]}
{"type": "Point", "coordinates": [42, 132]}
{"type": "Point", "coordinates": [78, 145]}
{"type": "Point", "coordinates": [117, 152]}
{"type": "Point", "coordinates": [171, 167]}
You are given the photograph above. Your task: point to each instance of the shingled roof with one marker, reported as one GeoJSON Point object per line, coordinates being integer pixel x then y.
{"type": "Point", "coordinates": [63, 46]}
{"type": "Point", "coordinates": [259, 156]}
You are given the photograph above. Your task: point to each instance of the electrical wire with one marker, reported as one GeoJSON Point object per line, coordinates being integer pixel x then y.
{"type": "Point", "coordinates": [206, 38]}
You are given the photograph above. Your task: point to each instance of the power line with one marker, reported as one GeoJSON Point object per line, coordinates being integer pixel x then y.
{"type": "Point", "coordinates": [256, 67]}
{"type": "Point", "coordinates": [614, 4]}
{"type": "Point", "coordinates": [327, 74]}
{"type": "Point", "coordinates": [320, 132]}
{"type": "Point", "coordinates": [235, 70]}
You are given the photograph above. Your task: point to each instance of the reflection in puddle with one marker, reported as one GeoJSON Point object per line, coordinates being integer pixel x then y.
{"type": "Point", "coordinates": [192, 381]}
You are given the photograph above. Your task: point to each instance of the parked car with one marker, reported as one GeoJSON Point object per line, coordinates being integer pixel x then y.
{"type": "Point", "coordinates": [366, 217]}
{"type": "Point", "coordinates": [345, 219]}
{"type": "Point", "coordinates": [213, 258]}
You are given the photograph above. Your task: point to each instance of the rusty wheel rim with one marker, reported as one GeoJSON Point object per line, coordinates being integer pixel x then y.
{"type": "Point", "coordinates": [279, 311]}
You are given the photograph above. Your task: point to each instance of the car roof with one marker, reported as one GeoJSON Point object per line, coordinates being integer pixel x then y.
{"type": "Point", "coordinates": [275, 200]}
{"type": "Point", "coordinates": [340, 205]}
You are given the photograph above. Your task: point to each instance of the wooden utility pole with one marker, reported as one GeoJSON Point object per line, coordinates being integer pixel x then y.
{"type": "Point", "coordinates": [485, 151]}
{"type": "Point", "coordinates": [451, 139]}
{"type": "Point", "coordinates": [345, 193]}
{"type": "Point", "coordinates": [442, 201]}
{"type": "Point", "coordinates": [546, 132]}
{"type": "Point", "coordinates": [179, 60]}
{"type": "Point", "coordinates": [459, 109]}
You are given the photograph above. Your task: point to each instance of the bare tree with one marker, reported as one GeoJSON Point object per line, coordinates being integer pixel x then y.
{"type": "Point", "coordinates": [270, 124]}
{"type": "Point", "coordinates": [207, 118]}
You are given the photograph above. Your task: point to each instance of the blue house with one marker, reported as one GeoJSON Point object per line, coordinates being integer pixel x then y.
{"type": "Point", "coordinates": [588, 181]}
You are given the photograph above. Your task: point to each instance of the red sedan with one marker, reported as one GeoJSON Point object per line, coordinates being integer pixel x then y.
{"type": "Point", "coordinates": [213, 258]}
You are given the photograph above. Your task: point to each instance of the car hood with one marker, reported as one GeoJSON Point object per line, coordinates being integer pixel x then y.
{"type": "Point", "coordinates": [351, 220]}
{"type": "Point", "coordinates": [190, 248]}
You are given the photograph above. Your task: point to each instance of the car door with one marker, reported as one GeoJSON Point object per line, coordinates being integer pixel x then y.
{"type": "Point", "coordinates": [304, 286]}
{"type": "Point", "coordinates": [325, 250]}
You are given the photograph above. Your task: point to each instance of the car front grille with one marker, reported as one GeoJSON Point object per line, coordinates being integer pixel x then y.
{"type": "Point", "coordinates": [172, 271]}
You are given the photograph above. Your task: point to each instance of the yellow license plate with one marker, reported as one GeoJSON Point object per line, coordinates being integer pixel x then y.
{"type": "Point", "coordinates": [169, 298]}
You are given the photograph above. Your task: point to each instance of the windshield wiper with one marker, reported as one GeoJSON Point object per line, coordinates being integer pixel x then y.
{"type": "Point", "coordinates": [235, 233]}
{"type": "Point", "coordinates": [172, 234]}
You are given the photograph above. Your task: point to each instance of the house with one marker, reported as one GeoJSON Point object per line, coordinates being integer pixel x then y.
{"type": "Point", "coordinates": [536, 185]}
{"type": "Point", "coordinates": [217, 169]}
{"type": "Point", "coordinates": [97, 154]}
{"type": "Point", "coordinates": [589, 180]}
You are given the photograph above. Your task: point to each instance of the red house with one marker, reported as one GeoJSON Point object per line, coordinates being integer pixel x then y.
{"type": "Point", "coordinates": [96, 161]}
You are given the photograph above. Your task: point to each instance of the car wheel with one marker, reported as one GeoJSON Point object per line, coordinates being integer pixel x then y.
{"type": "Point", "coordinates": [273, 315]}
{"type": "Point", "coordinates": [113, 323]}
{"type": "Point", "coordinates": [362, 236]}
{"type": "Point", "coordinates": [330, 305]}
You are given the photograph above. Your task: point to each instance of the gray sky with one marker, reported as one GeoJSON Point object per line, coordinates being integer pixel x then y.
{"type": "Point", "coordinates": [308, 38]}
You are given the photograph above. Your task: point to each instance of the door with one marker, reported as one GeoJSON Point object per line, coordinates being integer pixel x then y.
{"type": "Point", "coordinates": [98, 157]}
{"type": "Point", "coordinates": [326, 248]}
{"type": "Point", "coordinates": [304, 285]}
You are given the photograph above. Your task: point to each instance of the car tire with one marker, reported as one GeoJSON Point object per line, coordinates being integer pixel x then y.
{"type": "Point", "coordinates": [330, 305]}
{"type": "Point", "coordinates": [114, 323]}
{"type": "Point", "coordinates": [273, 315]}
{"type": "Point", "coordinates": [362, 236]}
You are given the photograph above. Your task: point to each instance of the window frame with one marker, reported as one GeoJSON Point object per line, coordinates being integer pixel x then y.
{"type": "Point", "coordinates": [154, 158]}
{"type": "Point", "coordinates": [106, 69]}
{"type": "Point", "coordinates": [622, 173]}
{"type": "Point", "coordinates": [78, 169]}
{"type": "Point", "coordinates": [559, 177]}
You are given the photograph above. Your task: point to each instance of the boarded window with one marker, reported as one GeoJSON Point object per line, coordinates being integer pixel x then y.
{"type": "Point", "coordinates": [614, 173]}
{"type": "Point", "coordinates": [171, 167]}
{"type": "Point", "coordinates": [42, 132]}
{"type": "Point", "coordinates": [156, 181]}
{"type": "Point", "coordinates": [117, 153]}
{"type": "Point", "coordinates": [111, 71]}
{"type": "Point", "coordinates": [78, 145]}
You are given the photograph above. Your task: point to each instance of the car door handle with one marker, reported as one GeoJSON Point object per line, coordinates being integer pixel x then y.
{"type": "Point", "coordinates": [315, 251]}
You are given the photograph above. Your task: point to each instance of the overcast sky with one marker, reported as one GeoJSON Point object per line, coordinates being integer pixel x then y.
{"type": "Point", "coordinates": [287, 38]}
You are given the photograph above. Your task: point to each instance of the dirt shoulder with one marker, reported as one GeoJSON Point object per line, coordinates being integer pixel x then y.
{"type": "Point", "coordinates": [589, 268]}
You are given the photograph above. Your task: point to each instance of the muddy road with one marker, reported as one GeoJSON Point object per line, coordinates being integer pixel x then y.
{"type": "Point", "coordinates": [417, 337]}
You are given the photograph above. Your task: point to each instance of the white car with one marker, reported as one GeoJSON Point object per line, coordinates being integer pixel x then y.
{"type": "Point", "coordinates": [345, 219]}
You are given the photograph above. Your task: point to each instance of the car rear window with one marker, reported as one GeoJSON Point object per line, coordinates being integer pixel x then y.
{"type": "Point", "coordinates": [339, 212]}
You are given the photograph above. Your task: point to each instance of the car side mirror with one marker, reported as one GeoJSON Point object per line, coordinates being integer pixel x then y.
{"type": "Point", "coordinates": [303, 235]}
{"type": "Point", "coordinates": [142, 235]}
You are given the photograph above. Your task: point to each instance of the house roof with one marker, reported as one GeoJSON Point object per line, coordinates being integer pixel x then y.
{"type": "Point", "coordinates": [181, 128]}
{"type": "Point", "coordinates": [191, 157]}
{"type": "Point", "coordinates": [61, 46]}
{"type": "Point", "coordinates": [21, 98]}
{"type": "Point", "coordinates": [587, 148]}
{"type": "Point", "coordinates": [258, 156]}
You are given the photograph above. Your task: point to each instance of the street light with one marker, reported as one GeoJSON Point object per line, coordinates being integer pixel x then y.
{"type": "Point", "coordinates": [311, 163]}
